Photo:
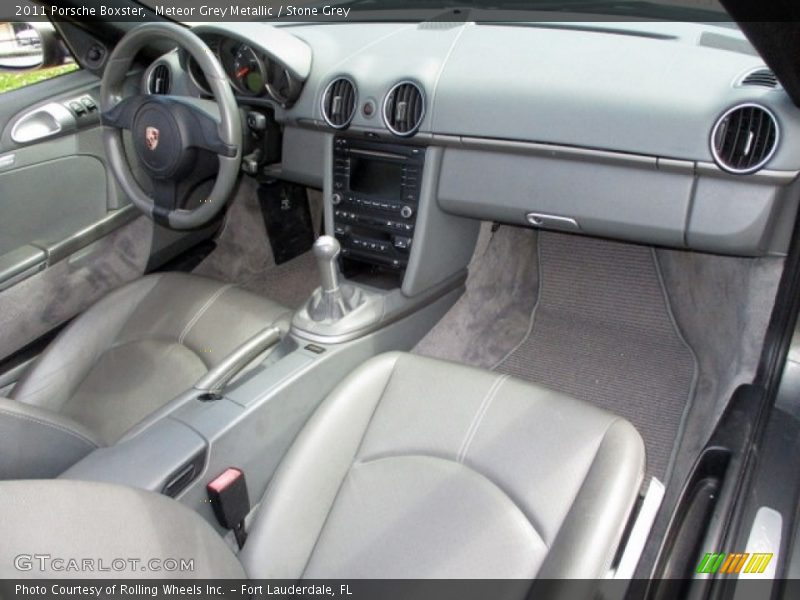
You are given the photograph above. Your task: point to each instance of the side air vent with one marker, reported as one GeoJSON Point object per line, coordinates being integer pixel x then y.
{"type": "Point", "coordinates": [744, 138]}
{"type": "Point", "coordinates": [404, 108]}
{"type": "Point", "coordinates": [760, 77]}
{"type": "Point", "coordinates": [160, 80]}
{"type": "Point", "coordinates": [339, 103]}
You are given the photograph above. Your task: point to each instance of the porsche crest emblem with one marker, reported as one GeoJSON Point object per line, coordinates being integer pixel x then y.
{"type": "Point", "coordinates": [151, 138]}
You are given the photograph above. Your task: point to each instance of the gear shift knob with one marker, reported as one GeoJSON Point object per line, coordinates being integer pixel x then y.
{"type": "Point", "coordinates": [330, 302]}
{"type": "Point", "coordinates": [326, 251]}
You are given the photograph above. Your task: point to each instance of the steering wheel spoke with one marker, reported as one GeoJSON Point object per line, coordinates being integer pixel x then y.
{"type": "Point", "coordinates": [122, 114]}
{"type": "Point", "coordinates": [165, 199]}
{"type": "Point", "coordinates": [203, 125]}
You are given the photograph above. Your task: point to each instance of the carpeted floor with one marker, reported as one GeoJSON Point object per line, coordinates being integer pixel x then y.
{"type": "Point", "coordinates": [243, 255]}
{"type": "Point", "coordinates": [596, 325]}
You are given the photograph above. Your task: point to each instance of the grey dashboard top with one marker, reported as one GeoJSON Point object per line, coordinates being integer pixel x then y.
{"type": "Point", "coordinates": [654, 89]}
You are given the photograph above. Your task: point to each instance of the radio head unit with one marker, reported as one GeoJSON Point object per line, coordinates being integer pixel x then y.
{"type": "Point", "coordinates": [375, 198]}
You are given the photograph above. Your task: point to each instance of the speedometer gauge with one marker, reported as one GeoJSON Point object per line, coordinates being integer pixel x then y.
{"type": "Point", "coordinates": [248, 70]}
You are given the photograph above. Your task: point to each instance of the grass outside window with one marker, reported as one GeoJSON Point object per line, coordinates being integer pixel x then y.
{"type": "Point", "coordinates": [12, 80]}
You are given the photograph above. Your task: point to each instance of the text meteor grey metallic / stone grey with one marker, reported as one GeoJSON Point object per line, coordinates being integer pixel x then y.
{"type": "Point", "coordinates": [263, 11]}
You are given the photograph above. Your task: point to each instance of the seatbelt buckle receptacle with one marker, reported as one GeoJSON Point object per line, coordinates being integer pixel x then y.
{"type": "Point", "coordinates": [230, 501]}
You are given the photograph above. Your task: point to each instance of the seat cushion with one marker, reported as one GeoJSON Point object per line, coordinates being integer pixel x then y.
{"type": "Point", "coordinates": [141, 346]}
{"type": "Point", "coordinates": [415, 467]}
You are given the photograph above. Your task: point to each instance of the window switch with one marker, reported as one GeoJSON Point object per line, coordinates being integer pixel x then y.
{"type": "Point", "coordinates": [89, 103]}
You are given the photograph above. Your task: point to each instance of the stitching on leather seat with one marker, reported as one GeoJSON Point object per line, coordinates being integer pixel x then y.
{"type": "Point", "coordinates": [478, 418]}
{"type": "Point", "coordinates": [354, 461]}
{"type": "Point", "coordinates": [61, 428]}
{"type": "Point", "coordinates": [193, 321]}
{"type": "Point", "coordinates": [536, 526]}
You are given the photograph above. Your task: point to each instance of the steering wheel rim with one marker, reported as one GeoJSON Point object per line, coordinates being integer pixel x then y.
{"type": "Point", "coordinates": [195, 124]}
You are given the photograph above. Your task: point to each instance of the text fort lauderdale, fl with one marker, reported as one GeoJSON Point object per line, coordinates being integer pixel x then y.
{"type": "Point", "coordinates": [169, 589]}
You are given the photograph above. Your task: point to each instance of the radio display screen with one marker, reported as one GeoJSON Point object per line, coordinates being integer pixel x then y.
{"type": "Point", "coordinates": [376, 177]}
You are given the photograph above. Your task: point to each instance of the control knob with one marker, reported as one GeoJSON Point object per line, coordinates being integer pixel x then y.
{"type": "Point", "coordinates": [406, 212]}
{"type": "Point", "coordinates": [336, 199]}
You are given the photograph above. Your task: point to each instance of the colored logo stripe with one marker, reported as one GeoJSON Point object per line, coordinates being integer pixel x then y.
{"type": "Point", "coordinates": [732, 564]}
{"type": "Point", "coordinates": [758, 563]}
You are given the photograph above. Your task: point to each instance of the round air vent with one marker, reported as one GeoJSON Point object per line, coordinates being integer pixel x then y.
{"type": "Point", "coordinates": [160, 80]}
{"type": "Point", "coordinates": [339, 103]}
{"type": "Point", "coordinates": [404, 108]}
{"type": "Point", "coordinates": [744, 138]}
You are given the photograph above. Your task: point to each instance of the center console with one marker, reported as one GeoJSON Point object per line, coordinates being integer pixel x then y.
{"type": "Point", "coordinates": [376, 191]}
{"type": "Point", "coordinates": [377, 203]}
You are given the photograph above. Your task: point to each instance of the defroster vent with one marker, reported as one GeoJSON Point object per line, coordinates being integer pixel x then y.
{"type": "Point", "coordinates": [760, 77]}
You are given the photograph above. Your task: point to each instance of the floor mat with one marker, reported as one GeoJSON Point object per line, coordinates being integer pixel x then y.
{"type": "Point", "coordinates": [602, 331]}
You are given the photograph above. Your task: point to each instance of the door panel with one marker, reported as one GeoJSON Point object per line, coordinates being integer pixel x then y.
{"type": "Point", "coordinates": [68, 235]}
{"type": "Point", "coordinates": [47, 209]}
{"type": "Point", "coordinates": [32, 307]}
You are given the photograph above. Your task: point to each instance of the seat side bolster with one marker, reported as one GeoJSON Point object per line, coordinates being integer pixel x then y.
{"type": "Point", "coordinates": [585, 545]}
{"type": "Point", "coordinates": [59, 370]}
{"type": "Point", "coordinates": [303, 490]}
{"type": "Point", "coordinates": [38, 443]}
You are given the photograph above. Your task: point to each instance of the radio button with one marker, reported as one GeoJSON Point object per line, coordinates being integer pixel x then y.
{"type": "Point", "coordinates": [403, 243]}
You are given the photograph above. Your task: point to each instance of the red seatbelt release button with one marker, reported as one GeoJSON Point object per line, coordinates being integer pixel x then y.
{"type": "Point", "coordinates": [228, 495]}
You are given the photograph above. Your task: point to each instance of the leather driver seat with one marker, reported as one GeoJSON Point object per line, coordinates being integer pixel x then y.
{"type": "Point", "coordinates": [122, 359]}
{"type": "Point", "coordinates": [411, 468]}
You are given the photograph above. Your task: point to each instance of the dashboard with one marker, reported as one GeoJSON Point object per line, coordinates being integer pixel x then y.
{"type": "Point", "coordinates": [673, 134]}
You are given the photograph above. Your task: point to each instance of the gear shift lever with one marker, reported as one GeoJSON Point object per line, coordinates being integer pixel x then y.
{"type": "Point", "coordinates": [326, 251]}
{"type": "Point", "coordinates": [330, 302]}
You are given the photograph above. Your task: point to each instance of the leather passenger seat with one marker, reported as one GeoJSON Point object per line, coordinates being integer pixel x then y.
{"type": "Point", "coordinates": [121, 360]}
{"type": "Point", "coordinates": [411, 468]}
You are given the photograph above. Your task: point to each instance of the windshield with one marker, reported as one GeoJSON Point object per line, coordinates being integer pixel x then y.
{"type": "Point", "coordinates": [411, 10]}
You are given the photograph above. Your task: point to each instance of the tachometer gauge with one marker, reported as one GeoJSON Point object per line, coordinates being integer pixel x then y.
{"type": "Point", "coordinates": [248, 71]}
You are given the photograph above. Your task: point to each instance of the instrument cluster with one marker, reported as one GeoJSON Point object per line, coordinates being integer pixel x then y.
{"type": "Point", "coordinates": [252, 73]}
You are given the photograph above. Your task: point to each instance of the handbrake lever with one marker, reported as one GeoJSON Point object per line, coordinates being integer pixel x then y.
{"type": "Point", "coordinates": [213, 382]}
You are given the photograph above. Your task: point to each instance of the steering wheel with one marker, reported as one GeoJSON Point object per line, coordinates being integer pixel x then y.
{"type": "Point", "coordinates": [168, 131]}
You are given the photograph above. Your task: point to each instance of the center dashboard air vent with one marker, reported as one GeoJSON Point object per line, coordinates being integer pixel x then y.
{"type": "Point", "coordinates": [744, 138]}
{"type": "Point", "coordinates": [404, 108]}
{"type": "Point", "coordinates": [339, 103]}
{"type": "Point", "coordinates": [160, 80]}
